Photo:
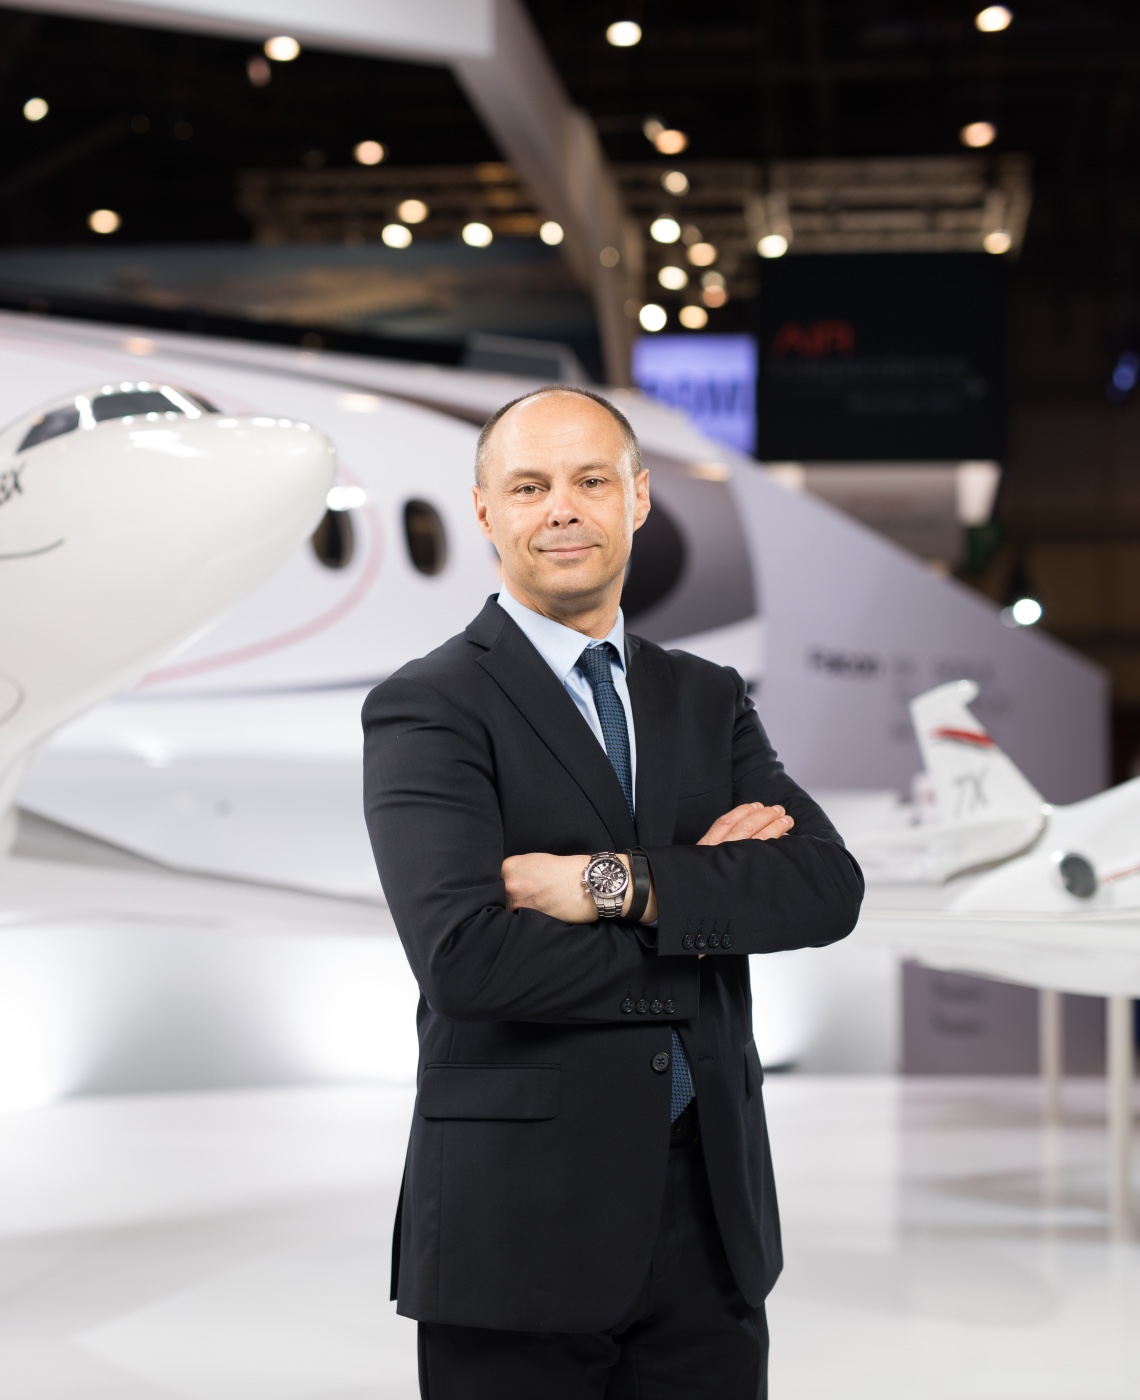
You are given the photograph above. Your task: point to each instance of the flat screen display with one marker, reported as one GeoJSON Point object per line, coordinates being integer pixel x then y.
{"type": "Point", "coordinates": [710, 378]}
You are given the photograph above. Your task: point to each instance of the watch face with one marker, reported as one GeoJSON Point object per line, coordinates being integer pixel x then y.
{"type": "Point", "coordinates": [606, 875]}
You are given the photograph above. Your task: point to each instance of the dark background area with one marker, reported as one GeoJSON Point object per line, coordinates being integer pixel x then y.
{"type": "Point", "coordinates": [159, 126]}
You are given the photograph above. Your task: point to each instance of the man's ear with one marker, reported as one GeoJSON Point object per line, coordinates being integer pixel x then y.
{"type": "Point", "coordinates": [481, 513]}
{"type": "Point", "coordinates": [642, 505]}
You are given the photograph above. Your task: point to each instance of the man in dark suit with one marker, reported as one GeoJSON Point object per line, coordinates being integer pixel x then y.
{"type": "Point", "coordinates": [581, 838]}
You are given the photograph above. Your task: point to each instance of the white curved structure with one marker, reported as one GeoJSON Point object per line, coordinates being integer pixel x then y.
{"type": "Point", "coordinates": [133, 513]}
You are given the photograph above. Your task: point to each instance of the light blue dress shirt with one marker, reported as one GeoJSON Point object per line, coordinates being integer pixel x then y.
{"type": "Point", "coordinates": [560, 647]}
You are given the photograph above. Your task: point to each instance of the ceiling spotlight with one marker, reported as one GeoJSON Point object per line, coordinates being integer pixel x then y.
{"type": "Point", "coordinates": [772, 245]}
{"type": "Point", "coordinates": [998, 240]}
{"type": "Point", "coordinates": [675, 181]}
{"type": "Point", "coordinates": [477, 235]}
{"type": "Point", "coordinates": [1026, 612]}
{"type": "Point", "coordinates": [664, 230]}
{"type": "Point", "coordinates": [412, 211]}
{"type": "Point", "coordinates": [35, 109]}
{"type": "Point", "coordinates": [282, 48]}
{"type": "Point", "coordinates": [551, 233]}
{"type": "Point", "coordinates": [714, 296]}
{"type": "Point", "coordinates": [993, 19]}
{"type": "Point", "coordinates": [396, 235]}
{"type": "Point", "coordinates": [652, 318]}
{"type": "Point", "coordinates": [652, 127]}
{"type": "Point", "coordinates": [693, 318]}
{"type": "Point", "coordinates": [671, 142]}
{"type": "Point", "coordinates": [609, 256]}
{"type": "Point", "coordinates": [978, 134]}
{"type": "Point", "coordinates": [368, 152]}
{"type": "Point", "coordinates": [702, 254]}
{"type": "Point", "coordinates": [1125, 376]}
{"type": "Point", "coordinates": [103, 221]}
{"type": "Point", "coordinates": [624, 34]}
{"type": "Point", "coordinates": [673, 279]}
{"type": "Point", "coordinates": [258, 71]}
{"type": "Point", "coordinates": [712, 279]}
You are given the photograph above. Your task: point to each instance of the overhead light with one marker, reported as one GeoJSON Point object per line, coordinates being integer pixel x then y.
{"type": "Point", "coordinates": [1125, 376]}
{"type": "Point", "coordinates": [412, 211]}
{"type": "Point", "coordinates": [258, 71]}
{"type": "Point", "coordinates": [998, 240]}
{"type": "Point", "coordinates": [702, 254]}
{"type": "Point", "coordinates": [624, 34]}
{"type": "Point", "coordinates": [652, 317]}
{"type": "Point", "coordinates": [993, 19]}
{"type": "Point", "coordinates": [368, 152]}
{"type": "Point", "coordinates": [671, 142]}
{"type": "Point", "coordinates": [652, 127]}
{"type": "Point", "coordinates": [551, 233]}
{"type": "Point", "coordinates": [103, 221]}
{"type": "Point", "coordinates": [609, 256]}
{"type": "Point", "coordinates": [665, 230]}
{"type": "Point", "coordinates": [477, 235]}
{"type": "Point", "coordinates": [978, 134]}
{"type": "Point", "coordinates": [396, 235]}
{"type": "Point", "coordinates": [714, 297]}
{"type": "Point", "coordinates": [282, 48]}
{"type": "Point", "coordinates": [675, 181]}
{"type": "Point", "coordinates": [35, 109]}
{"type": "Point", "coordinates": [673, 279]}
{"type": "Point", "coordinates": [712, 279]}
{"type": "Point", "coordinates": [693, 318]}
{"type": "Point", "coordinates": [183, 131]}
{"type": "Point", "coordinates": [1026, 612]}
{"type": "Point", "coordinates": [772, 245]}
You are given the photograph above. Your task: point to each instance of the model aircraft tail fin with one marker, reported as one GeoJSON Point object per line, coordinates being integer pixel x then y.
{"type": "Point", "coordinates": [974, 780]}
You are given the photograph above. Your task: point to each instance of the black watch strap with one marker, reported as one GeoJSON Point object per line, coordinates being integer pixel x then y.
{"type": "Point", "coordinates": [639, 870]}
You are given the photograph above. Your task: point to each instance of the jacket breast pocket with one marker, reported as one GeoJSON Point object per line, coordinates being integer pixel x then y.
{"type": "Point", "coordinates": [753, 1070]}
{"type": "Point", "coordinates": [507, 1092]}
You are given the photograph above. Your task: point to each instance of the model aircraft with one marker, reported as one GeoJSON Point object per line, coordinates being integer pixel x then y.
{"type": "Point", "coordinates": [987, 841]}
{"type": "Point", "coordinates": [131, 515]}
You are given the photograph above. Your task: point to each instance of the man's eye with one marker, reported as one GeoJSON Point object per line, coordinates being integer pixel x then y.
{"type": "Point", "coordinates": [527, 490]}
{"type": "Point", "coordinates": [593, 481]}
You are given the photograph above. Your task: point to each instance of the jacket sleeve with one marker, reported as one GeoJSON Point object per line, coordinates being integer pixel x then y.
{"type": "Point", "coordinates": [433, 817]}
{"type": "Point", "coordinates": [803, 890]}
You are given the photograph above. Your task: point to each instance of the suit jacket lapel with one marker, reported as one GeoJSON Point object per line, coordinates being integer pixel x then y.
{"type": "Point", "coordinates": [534, 690]}
{"type": "Point", "coordinates": [657, 724]}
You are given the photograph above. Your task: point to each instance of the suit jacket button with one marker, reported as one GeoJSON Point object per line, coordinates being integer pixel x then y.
{"type": "Point", "coordinates": [660, 1062]}
{"type": "Point", "coordinates": [642, 1007]}
{"type": "Point", "coordinates": [726, 940]}
{"type": "Point", "coordinates": [701, 940]}
{"type": "Point", "coordinates": [714, 940]}
{"type": "Point", "coordinates": [687, 941]}
{"type": "Point", "coordinates": [627, 1005]}
{"type": "Point", "coordinates": [670, 1007]}
{"type": "Point", "coordinates": [655, 1007]}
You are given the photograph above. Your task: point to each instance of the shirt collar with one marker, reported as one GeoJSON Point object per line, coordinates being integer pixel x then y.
{"type": "Point", "coordinates": [558, 645]}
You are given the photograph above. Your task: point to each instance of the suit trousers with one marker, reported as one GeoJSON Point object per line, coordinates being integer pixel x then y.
{"type": "Point", "coordinates": [690, 1335]}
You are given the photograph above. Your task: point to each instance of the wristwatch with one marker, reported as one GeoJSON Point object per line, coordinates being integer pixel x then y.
{"type": "Point", "coordinates": [607, 880]}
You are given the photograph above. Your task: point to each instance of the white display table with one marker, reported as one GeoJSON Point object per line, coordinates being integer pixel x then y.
{"type": "Point", "coordinates": [1097, 955]}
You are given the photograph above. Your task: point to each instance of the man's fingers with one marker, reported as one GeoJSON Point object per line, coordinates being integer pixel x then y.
{"type": "Point", "coordinates": [749, 820]}
{"type": "Point", "coordinates": [775, 829]}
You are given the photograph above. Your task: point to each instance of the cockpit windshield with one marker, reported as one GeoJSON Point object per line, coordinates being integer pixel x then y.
{"type": "Point", "coordinates": [146, 401]}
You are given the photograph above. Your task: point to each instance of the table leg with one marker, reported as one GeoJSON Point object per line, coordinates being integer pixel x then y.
{"type": "Point", "coordinates": [1051, 1051]}
{"type": "Point", "coordinates": [1121, 1067]}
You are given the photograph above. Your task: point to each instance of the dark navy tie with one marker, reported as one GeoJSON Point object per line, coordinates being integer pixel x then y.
{"type": "Point", "coordinates": [596, 665]}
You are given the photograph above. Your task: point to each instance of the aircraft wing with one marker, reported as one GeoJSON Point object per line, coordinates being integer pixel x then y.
{"type": "Point", "coordinates": [1094, 953]}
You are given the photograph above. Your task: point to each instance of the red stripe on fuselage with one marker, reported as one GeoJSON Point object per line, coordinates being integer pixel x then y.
{"type": "Point", "coordinates": [976, 737]}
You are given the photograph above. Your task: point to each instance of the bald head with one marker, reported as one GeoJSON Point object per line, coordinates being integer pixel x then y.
{"type": "Point", "coordinates": [568, 393]}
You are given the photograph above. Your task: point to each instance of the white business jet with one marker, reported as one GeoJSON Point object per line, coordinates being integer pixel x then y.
{"type": "Point", "coordinates": [132, 514]}
{"type": "Point", "coordinates": [987, 841]}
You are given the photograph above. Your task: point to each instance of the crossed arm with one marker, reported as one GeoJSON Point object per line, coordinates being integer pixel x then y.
{"type": "Point", "coordinates": [553, 884]}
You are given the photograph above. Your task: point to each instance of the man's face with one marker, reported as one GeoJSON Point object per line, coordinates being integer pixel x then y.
{"type": "Point", "coordinates": [559, 502]}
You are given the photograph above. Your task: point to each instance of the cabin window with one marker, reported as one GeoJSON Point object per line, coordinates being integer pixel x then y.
{"type": "Point", "coordinates": [334, 540]}
{"type": "Point", "coordinates": [425, 536]}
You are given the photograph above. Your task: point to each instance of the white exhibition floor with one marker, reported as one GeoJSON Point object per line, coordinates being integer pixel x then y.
{"type": "Point", "coordinates": [941, 1245]}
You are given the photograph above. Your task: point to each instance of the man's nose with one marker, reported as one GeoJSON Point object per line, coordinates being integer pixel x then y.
{"type": "Point", "coordinates": [562, 509]}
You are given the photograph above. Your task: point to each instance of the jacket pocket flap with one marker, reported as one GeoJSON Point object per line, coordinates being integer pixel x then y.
{"type": "Point", "coordinates": [490, 1091]}
{"type": "Point", "coordinates": [753, 1070]}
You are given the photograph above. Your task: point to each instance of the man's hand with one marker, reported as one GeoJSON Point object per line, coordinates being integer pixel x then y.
{"type": "Point", "coordinates": [551, 884]}
{"type": "Point", "coordinates": [751, 821]}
